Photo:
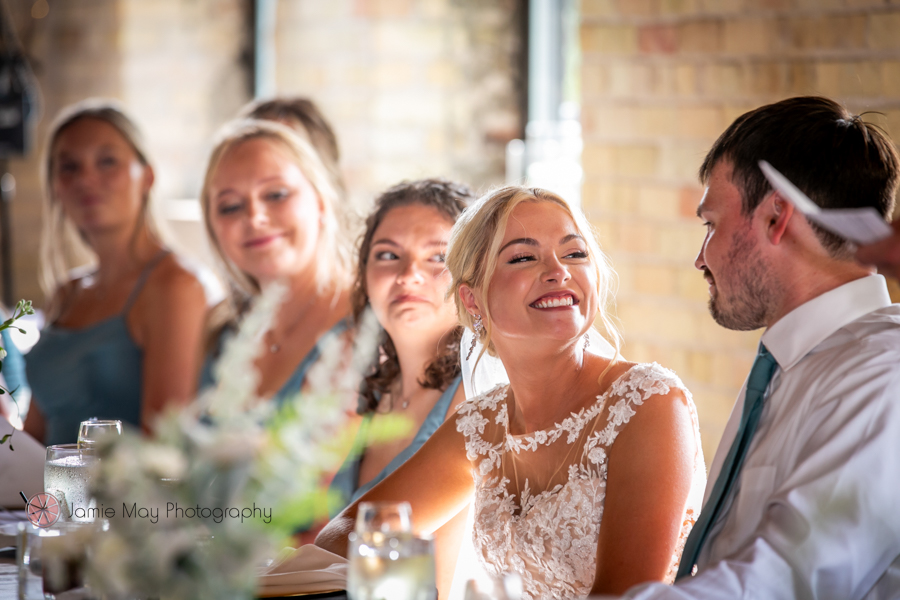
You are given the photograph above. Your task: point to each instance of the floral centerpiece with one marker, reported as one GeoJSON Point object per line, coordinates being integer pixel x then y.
{"type": "Point", "coordinates": [194, 510]}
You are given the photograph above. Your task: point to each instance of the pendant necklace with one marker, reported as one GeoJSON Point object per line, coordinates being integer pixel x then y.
{"type": "Point", "coordinates": [274, 347]}
{"type": "Point", "coordinates": [404, 403]}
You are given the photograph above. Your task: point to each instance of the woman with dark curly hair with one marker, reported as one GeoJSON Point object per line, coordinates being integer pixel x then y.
{"type": "Point", "coordinates": [401, 275]}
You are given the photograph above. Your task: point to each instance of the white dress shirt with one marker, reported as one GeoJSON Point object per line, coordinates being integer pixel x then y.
{"type": "Point", "coordinates": [815, 512]}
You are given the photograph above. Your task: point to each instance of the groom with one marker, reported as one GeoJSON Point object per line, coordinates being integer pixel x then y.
{"type": "Point", "coordinates": [803, 499]}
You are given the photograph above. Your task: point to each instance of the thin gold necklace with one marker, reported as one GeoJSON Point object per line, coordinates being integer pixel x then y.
{"type": "Point", "coordinates": [274, 347]}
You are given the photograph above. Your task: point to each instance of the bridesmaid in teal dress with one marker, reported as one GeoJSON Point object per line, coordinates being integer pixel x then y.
{"type": "Point", "coordinates": [273, 214]}
{"type": "Point", "coordinates": [402, 276]}
{"type": "Point", "coordinates": [121, 337]}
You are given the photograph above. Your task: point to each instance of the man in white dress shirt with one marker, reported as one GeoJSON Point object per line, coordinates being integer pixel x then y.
{"type": "Point", "coordinates": [814, 509]}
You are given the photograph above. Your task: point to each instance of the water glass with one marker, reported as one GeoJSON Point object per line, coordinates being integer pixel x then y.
{"type": "Point", "coordinates": [383, 517]}
{"type": "Point", "coordinates": [400, 567]}
{"type": "Point", "coordinates": [93, 430]}
{"type": "Point", "coordinates": [28, 562]}
{"type": "Point", "coordinates": [386, 561]}
{"type": "Point", "coordinates": [68, 474]}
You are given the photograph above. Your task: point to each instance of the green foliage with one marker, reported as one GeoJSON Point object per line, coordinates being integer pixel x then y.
{"type": "Point", "coordinates": [229, 449]}
{"type": "Point", "coordinates": [23, 307]}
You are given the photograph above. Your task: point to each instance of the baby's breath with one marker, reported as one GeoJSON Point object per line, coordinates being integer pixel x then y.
{"type": "Point", "coordinates": [228, 448]}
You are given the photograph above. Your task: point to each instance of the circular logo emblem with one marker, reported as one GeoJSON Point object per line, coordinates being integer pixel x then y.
{"type": "Point", "coordinates": [43, 510]}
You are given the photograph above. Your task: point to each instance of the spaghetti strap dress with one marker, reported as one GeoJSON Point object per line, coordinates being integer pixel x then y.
{"type": "Point", "coordinates": [294, 383]}
{"type": "Point", "coordinates": [94, 371]}
{"type": "Point", "coordinates": [345, 484]}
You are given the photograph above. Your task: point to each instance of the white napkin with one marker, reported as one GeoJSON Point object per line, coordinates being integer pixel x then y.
{"type": "Point", "coordinates": [308, 569]}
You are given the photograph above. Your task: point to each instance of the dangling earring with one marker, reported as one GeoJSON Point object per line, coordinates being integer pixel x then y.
{"type": "Point", "coordinates": [587, 341]}
{"type": "Point", "coordinates": [478, 326]}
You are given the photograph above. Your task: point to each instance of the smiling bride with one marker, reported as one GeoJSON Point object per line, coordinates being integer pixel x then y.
{"type": "Point", "coordinates": [585, 472]}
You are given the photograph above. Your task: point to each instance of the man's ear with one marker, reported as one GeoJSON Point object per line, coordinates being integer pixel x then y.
{"type": "Point", "coordinates": [472, 304]}
{"type": "Point", "coordinates": [777, 213]}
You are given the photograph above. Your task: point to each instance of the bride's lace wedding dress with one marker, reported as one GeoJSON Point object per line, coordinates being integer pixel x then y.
{"type": "Point", "coordinates": [539, 496]}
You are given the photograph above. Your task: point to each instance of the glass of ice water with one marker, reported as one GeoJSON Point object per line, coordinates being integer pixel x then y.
{"type": "Point", "coordinates": [384, 517]}
{"type": "Point", "coordinates": [388, 562]}
{"type": "Point", "coordinates": [93, 430]}
{"type": "Point", "coordinates": [68, 473]}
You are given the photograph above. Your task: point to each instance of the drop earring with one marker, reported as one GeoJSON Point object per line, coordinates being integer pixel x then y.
{"type": "Point", "coordinates": [478, 327]}
{"type": "Point", "coordinates": [587, 341]}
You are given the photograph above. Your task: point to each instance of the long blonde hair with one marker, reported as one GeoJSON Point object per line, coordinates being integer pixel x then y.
{"type": "Point", "coordinates": [304, 117]}
{"type": "Point", "coordinates": [474, 250]}
{"type": "Point", "coordinates": [60, 239]}
{"type": "Point", "coordinates": [333, 256]}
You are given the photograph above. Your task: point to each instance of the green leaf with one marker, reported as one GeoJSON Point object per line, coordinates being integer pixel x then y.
{"type": "Point", "coordinates": [5, 437]}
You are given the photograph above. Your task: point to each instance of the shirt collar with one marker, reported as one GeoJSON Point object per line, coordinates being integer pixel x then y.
{"type": "Point", "coordinates": [793, 336]}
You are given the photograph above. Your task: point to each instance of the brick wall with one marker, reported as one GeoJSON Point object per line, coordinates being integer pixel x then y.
{"type": "Point", "coordinates": [661, 80]}
{"type": "Point", "coordinates": [70, 54]}
{"type": "Point", "coordinates": [175, 64]}
{"type": "Point", "coordinates": [414, 88]}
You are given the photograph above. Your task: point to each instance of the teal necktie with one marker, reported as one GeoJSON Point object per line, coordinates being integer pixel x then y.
{"type": "Point", "coordinates": [760, 376]}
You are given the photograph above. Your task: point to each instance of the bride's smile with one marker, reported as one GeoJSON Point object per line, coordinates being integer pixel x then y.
{"type": "Point", "coordinates": [555, 300]}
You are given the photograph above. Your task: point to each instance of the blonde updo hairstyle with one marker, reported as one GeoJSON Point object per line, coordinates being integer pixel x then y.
{"type": "Point", "coordinates": [333, 272]}
{"type": "Point", "coordinates": [63, 246]}
{"type": "Point", "coordinates": [474, 250]}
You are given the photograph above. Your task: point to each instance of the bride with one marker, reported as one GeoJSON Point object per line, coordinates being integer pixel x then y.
{"type": "Point", "coordinates": [585, 472]}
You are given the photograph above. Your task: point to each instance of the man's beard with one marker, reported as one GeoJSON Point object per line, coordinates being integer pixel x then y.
{"type": "Point", "coordinates": [747, 307]}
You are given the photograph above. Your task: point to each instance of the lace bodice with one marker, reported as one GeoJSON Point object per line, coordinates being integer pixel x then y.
{"type": "Point", "coordinates": [539, 497]}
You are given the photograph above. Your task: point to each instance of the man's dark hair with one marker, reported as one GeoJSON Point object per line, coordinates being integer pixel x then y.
{"type": "Point", "coordinates": [834, 157]}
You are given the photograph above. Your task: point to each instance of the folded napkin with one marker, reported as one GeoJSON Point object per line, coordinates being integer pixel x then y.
{"type": "Point", "coordinates": [306, 570]}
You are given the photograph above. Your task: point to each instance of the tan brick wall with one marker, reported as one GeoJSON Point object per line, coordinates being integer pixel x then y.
{"type": "Point", "coordinates": [415, 88]}
{"type": "Point", "coordinates": [661, 79]}
{"type": "Point", "coordinates": [70, 55]}
{"type": "Point", "coordinates": [175, 64]}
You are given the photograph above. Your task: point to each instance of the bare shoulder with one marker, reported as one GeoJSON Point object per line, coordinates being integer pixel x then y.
{"type": "Point", "coordinates": [657, 407]}
{"type": "Point", "coordinates": [171, 281]}
{"type": "Point", "coordinates": [172, 294]}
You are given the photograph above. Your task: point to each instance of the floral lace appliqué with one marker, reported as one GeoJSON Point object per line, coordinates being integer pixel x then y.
{"type": "Point", "coordinates": [550, 536]}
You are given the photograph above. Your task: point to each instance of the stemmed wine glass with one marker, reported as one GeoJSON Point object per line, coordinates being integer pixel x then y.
{"type": "Point", "coordinates": [388, 562]}
{"type": "Point", "coordinates": [93, 430]}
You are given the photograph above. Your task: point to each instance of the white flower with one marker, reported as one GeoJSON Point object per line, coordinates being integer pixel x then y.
{"type": "Point", "coordinates": [113, 554]}
{"type": "Point", "coordinates": [163, 461]}
{"type": "Point", "coordinates": [233, 447]}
